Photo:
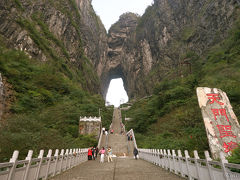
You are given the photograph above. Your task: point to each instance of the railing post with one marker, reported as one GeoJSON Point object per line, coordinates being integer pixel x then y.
{"type": "Point", "coordinates": [223, 161]}
{"type": "Point", "coordinates": [56, 161]}
{"type": "Point", "coordinates": [153, 156]}
{"type": "Point", "coordinates": [196, 157]}
{"type": "Point", "coordinates": [78, 156]}
{"type": "Point", "coordinates": [81, 156]}
{"type": "Point", "coordinates": [40, 156]}
{"type": "Point", "coordinates": [208, 158]}
{"type": "Point", "coordinates": [62, 157]}
{"type": "Point", "coordinates": [161, 158]}
{"type": "Point", "coordinates": [74, 157]}
{"type": "Point", "coordinates": [13, 160]}
{"type": "Point", "coordinates": [70, 162]}
{"type": "Point", "coordinates": [29, 158]}
{"type": "Point", "coordinates": [165, 159]}
{"type": "Point", "coordinates": [174, 163]}
{"type": "Point", "coordinates": [187, 162]}
{"type": "Point", "coordinates": [66, 156]}
{"type": "Point", "coordinates": [49, 157]}
{"type": "Point", "coordinates": [180, 162]}
{"type": "Point", "coordinates": [169, 160]}
{"type": "Point", "coordinates": [158, 157]}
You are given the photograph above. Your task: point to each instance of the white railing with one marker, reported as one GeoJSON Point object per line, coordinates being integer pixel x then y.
{"type": "Point", "coordinates": [90, 119]}
{"type": "Point", "coordinates": [100, 139]}
{"type": "Point", "coordinates": [41, 167]}
{"type": "Point", "coordinates": [193, 168]}
{"type": "Point", "coordinates": [131, 132]}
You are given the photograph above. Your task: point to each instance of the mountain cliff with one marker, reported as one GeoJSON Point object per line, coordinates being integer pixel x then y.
{"type": "Point", "coordinates": [191, 44]}
{"type": "Point", "coordinates": [56, 58]}
{"type": "Point", "coordinates": [50, 52]}
{"type": "Point", "coordinates": [164, 41]}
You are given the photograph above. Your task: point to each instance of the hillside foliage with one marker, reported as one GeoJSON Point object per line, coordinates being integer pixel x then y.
{"type": "Point", "coordinates": [48, 105]}
{"type": "Point", "coordinates": [171, 117]}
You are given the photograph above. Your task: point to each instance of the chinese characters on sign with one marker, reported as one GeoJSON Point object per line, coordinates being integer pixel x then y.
{"type": "Point", "coordinates": [221, 124]}
{"type": "Point", "coordinates": [224, 130]}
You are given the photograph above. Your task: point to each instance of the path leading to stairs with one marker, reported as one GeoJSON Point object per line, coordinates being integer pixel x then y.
{"type": "Point", "coordinates": [122, 168]}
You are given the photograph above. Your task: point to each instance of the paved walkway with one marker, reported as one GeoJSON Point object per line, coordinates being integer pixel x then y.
{"type": "Point", "coordinates": [120, 169]}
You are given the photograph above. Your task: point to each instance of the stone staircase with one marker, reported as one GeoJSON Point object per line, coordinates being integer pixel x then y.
{"type": "Point", "coordinates": [118, 141]}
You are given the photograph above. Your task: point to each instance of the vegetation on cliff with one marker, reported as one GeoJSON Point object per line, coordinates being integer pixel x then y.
{"type": "Point", "coordinates": [171, 118]}
{"type": "Point", "coordinates": [47, 107]}
{"type": "Point", "coordinates": [50, 95]}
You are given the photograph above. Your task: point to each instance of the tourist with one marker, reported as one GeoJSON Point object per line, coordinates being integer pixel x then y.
{"type": "Point", "coordinates": [103, 130]}
{"type": "Point", "coordinates": [112, 131]}
{"type": "Point", "coordinates": [102, 152]}
{"type": "Point", "coordinates": [135, 153]}
{"type": "Point", "coordinates": [109, 153]}
{"type": "Point", "coordinates": [96, 151]}
{"type": "Point", "coordinates": [131, 137]}
{"type": "Point", "coordinates": [89, 154]}
{"type": "Point", "coordinates": [106, 133]}
{"type": "Point", "coordinates": [128, 137]}
{"type": "Point", "coordinates": [93, 153]}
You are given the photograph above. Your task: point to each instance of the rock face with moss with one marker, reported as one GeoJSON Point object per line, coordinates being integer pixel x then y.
{"type": "Point", "coordinates": [161, 43]}
{"type": "Point", "coordinates": [119, 59]}
{"type": "Point", "coordinates": [64, 31]}
{"type": "Point", "coordinates": [67, 30]}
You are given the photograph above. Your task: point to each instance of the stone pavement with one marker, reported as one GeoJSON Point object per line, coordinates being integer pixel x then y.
{"type": "Point", "coordinates": [121, 169]}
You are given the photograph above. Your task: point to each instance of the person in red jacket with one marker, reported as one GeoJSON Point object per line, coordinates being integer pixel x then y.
{"type": "Point", "coordinates": [90, 154]}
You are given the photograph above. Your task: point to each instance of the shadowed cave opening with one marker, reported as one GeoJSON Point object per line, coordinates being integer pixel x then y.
{"type": "Point", "coordinates": [116, 93]}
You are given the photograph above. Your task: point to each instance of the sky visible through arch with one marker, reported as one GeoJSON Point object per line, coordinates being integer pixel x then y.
{"type": "Point", "coordinates": [109, 12]}
{"type": "Point", "coordinates": [116, 94]}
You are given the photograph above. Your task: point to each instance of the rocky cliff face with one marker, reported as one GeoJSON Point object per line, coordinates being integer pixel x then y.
{"type": "Point", "coordinates": [66, 32]}
{"type": "Point", "coordinates": [160, 43]}
{"type": "Point", "coordinates": [67, 27]}
{"type": "Point", "coordinates": [94, 35]}
{"type": "Point", "coordinates": [142, 50]}
{"type": "Point", "coordinates": [119, 61]}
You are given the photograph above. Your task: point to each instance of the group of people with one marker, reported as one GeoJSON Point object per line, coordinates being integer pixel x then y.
{"type": "Point", "coordinates": [130, 137]}
{"type": "Point", "coordinates": [102, 152]}
{"type": "Point", "coordinates": [92, 153]}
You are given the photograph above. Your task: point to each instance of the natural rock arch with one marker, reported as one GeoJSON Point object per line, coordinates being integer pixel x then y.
{"type": "Point", "coordinates": [113, 73]}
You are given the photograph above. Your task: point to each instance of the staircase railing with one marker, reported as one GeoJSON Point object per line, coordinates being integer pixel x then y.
{"type": "Point", "coordinates": [192, 168]}
{"type": "Point", "coordinates": [41, 167]}
{"type": "Point", "coordinates": [100, 139]}
{"type": "Point", "coordinates": [131, 132]}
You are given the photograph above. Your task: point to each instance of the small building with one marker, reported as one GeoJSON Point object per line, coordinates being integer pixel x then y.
{"type": "Point", "coordinates": [90, 126]}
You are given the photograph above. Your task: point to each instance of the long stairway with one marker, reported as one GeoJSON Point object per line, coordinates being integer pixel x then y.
{"type": "Point", "coordinates": [122, 168]}
{"type": "Point", "coordinates": [118, 140]}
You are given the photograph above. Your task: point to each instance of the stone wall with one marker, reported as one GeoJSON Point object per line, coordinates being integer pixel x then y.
{"type": "Point", "coordinates": [90, 126]}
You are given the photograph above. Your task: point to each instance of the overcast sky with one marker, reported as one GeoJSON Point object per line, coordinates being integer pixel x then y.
{"type": "Point", "coordinates": [116, 93]}
{"type": "Point", "coordinates": [110, 10]}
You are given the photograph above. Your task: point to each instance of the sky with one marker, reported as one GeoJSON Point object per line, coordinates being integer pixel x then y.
{"type": "Point", "coordinates": [116, 94]}
{"type": "Point", "coordinates": [110, 10]}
